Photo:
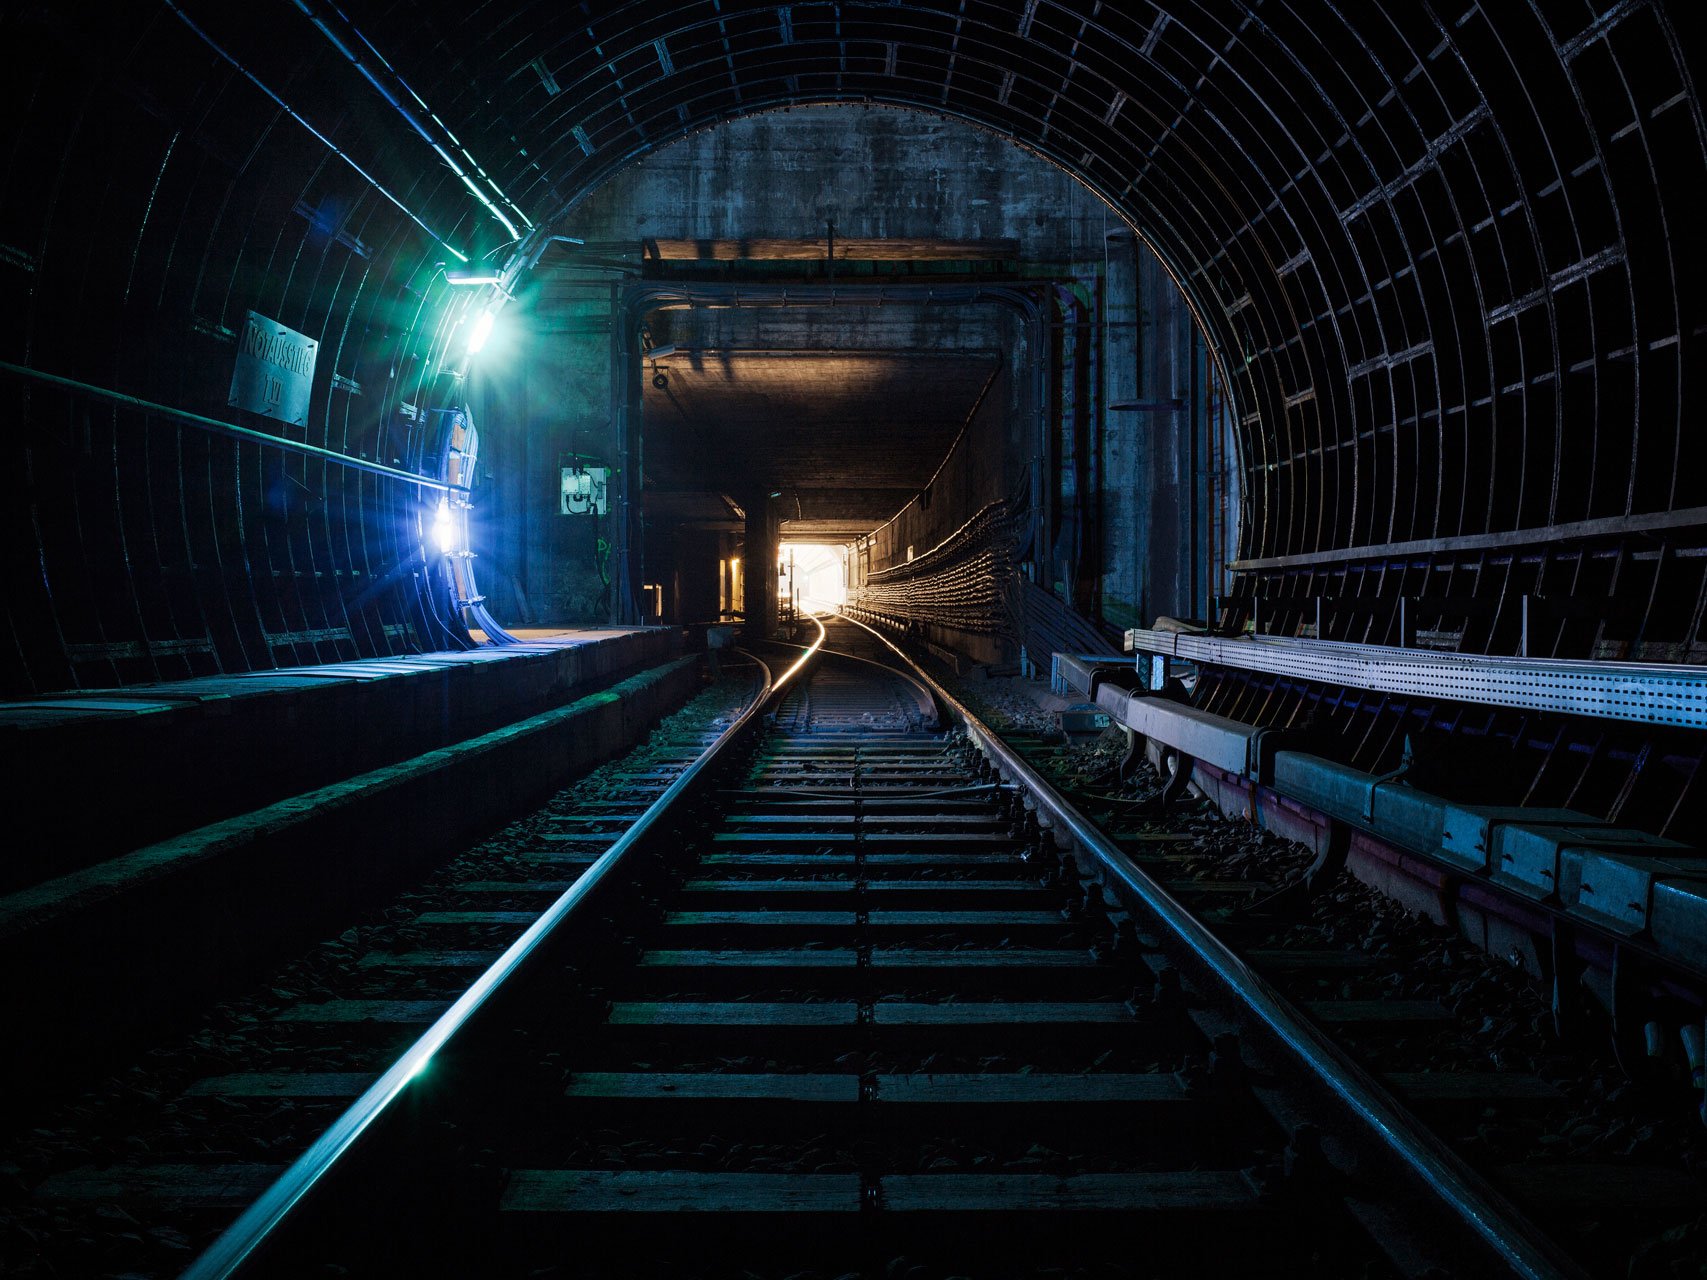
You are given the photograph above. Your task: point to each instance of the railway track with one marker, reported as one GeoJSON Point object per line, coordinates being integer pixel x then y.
{"type": "Point", "coordinates": [1603, 1152]}
{"type": "Point", "coordinates": [134, 1171]}
{"type": "Point", "coordinates": [839, 1004]}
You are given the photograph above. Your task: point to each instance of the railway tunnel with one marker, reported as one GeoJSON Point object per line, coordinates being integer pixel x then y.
{"type": "Point", "coordinates": [1257, 424]}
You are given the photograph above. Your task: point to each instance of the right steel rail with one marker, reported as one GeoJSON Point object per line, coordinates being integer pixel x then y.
{"type": "Point", "coordinates": [1467, 1196]}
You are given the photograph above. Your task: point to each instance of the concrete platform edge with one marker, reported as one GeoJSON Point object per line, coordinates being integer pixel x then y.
{"type": "Point", "coordinates": [127, 943]}
{"type": "Point", "coordinates": [220, 747]}
{"type": "Point", "coordinates": [321, 810]}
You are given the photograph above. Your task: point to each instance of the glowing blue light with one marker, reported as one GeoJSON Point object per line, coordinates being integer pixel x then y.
{"type": "Point", "coordinates": [482, 331]}
{"type": "Point", "coordinates": [444, 528]}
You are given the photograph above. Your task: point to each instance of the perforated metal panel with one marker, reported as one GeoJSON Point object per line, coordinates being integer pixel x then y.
{"type": "Point", "coordinates": [1646, 692]}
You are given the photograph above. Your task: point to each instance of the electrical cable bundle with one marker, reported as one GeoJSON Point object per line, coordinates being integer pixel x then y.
{"type": "Point", "coordinates": [960, 583]}
{"type": "Point", "coordinates": [970, 582]}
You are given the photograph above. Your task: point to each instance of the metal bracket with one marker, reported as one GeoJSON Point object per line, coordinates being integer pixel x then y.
{"type": "Point", "coordinates": [1267, 742]}
{"type": "Point", "coordinates": [1176, 785]}
{"type": "Point", "coordinates": [1135, 743]}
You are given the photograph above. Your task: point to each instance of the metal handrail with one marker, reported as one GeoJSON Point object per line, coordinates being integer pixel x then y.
{"type": "Point", "coordinates": [1466, 1194]}
{"type": "Point", "coordinates": [238, 1242]}
{"type": "Point", "coordinates": [219, 427]}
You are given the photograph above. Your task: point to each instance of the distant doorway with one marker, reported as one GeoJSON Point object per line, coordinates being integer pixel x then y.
{"type": "Point", "coordinates": [814, 575]}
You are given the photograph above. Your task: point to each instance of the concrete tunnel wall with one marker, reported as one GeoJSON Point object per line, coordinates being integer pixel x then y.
{"type": "Point", "coordinates": [906, 177]}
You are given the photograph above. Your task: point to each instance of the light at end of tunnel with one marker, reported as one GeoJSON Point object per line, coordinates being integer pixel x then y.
{"type": "Point", "coordinates": [482, 330]}
{"type": "Point", "coordinates": [818, 572]}
{"type": "Point", "coordinates": [444, 528]}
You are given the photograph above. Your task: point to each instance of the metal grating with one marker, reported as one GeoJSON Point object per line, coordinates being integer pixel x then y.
{"type": "Point", "coordinates": [1642, 692]}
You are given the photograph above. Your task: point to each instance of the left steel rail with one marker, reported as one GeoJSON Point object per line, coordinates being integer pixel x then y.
{"type": "Point", "coordinates": [245, 1237]}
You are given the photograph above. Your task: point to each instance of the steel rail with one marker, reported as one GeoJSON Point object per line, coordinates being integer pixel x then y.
{"type": "Point", "coordinates": [920, 689]}
{"type": "Point", "coordinates": [1498, 1223]}
{"type": "Point", "coordinates": [217, 426]}
{"type": "Point", "coordinates": [239, 1242]}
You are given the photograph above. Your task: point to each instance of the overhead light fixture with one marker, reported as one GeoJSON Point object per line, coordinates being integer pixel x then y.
{"type": "Point", "coordinates": [776, 493]}
{"type": "Point", "coordinates": [473, 277]}
{"type": "Point", "coordinates": [482, 330]}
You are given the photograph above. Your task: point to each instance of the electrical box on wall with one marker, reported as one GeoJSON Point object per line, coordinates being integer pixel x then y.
{"type": "Point", "coordinates": [584, 491]}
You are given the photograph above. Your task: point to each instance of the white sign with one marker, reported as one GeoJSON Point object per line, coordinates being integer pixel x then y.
{"type": "Point", "coordinates": [584, 491]}
{"type": "Point", "coordinates": [275, 371]}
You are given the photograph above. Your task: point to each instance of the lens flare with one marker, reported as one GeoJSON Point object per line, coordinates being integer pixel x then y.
{"type": "Point", "coordinates": [444, 528]}
{"type": "Point", "coordinates": [482, 330]}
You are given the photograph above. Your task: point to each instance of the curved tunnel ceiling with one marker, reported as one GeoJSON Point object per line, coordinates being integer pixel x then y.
{"type": "Point", "coordinates": [1443, 251]}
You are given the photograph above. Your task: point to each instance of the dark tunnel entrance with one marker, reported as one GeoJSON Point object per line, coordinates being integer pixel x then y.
{"type": "Point", "coordinates": [876, 327]}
